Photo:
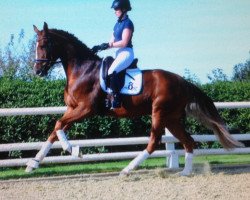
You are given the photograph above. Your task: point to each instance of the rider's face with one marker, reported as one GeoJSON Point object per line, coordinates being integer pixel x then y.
{"type": "Point", "coordinates": [118, 13]}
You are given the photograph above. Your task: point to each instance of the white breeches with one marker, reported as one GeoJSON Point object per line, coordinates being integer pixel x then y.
{"type": "Point", "coordinates": [124, 57]}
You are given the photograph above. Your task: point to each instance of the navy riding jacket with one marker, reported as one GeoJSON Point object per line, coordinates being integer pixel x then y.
{"type": "Point", "coordinates": [120, 26]}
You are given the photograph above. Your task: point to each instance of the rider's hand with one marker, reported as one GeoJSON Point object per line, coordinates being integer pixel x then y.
{"type": "Point", "coordinates": [104, 46]}
{"type": "Point", "coordinates": [101, 47]}
{"type": "Point", "coordinates": [95, 49]}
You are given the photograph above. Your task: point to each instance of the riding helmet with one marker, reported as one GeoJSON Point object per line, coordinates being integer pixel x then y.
{"type": "Point", "coordinates": [121, 4]}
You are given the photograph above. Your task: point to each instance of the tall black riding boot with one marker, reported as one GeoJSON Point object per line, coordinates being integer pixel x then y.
{"type": "Point", "coordinates": [116, 101]}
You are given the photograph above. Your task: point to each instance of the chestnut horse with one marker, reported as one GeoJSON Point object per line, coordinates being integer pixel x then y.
{"type": "Point", "coordinates": [165, 96]}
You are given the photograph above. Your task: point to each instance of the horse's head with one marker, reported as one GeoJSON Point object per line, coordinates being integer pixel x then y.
{"type": "Point", "coordinates": [45, 51]}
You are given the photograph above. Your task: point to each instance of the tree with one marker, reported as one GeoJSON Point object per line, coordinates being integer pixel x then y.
{"type": "Point", "coordinates": [191, 77]}
{"type": "Point", "coordinates": [217, 75]}
{"type": "Point", "coordinates": [241, 72]}
{"type": "Point", "coordinates": [16, 60]}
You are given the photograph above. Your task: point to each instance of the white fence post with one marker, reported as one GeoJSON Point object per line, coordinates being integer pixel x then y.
{"type": "Point", "coordinates": [172, 161]}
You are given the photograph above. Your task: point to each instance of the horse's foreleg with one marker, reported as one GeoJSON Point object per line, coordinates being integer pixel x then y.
{"type": "Point", "coordinates": [72, 116]}
{"type": "Point", "coordinates": [34, 163]}
{"type": "Point", "coordinates": [78, 113]}
{"type": "Point", "coordinates": [73, 150]}
{"type": "Point", "coordinates": [60, 127]}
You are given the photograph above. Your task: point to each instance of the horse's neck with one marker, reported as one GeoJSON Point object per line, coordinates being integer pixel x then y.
{"type": "Point", "coordinates": [79, 61]}
{"type": "Point", "coordinates": [87, 69]}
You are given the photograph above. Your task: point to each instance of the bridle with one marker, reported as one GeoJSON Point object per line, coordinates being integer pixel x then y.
{"type": "Point", "coordinates": [47, 61]}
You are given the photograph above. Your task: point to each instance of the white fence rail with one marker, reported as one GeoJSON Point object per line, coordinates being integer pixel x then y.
{"type": "Point", "coordinates": [60, 110]}
{"type": "Point", "coordinates": [170, 152]}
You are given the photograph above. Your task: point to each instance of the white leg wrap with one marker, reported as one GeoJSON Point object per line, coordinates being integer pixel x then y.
{"type": "Point", "coordinates": [34, 163]}
{"type": "Point", "coordinates": [136, 162]}
{"type": "Point", "coordinates": [44, 151]}
{"type": "Point", "coordinates": [188, 165]}
{"type": "Point", "coordinates": [64, 141]}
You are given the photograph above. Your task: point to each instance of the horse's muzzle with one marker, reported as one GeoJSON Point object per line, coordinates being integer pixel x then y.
{"type": "Point", "coordinates": [40, 71]}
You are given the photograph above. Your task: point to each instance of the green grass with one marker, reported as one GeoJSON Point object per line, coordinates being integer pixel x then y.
{"type": "Point", "coordinates": [71, 169]}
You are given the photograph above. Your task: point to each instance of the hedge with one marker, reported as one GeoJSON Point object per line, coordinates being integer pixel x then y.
{"type": "Point", "coordinates": [42, 93]}
{"type": "Point", "coordinates": [237, 120]}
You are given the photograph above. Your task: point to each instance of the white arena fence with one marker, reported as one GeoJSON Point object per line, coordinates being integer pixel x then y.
{"type": "Point", "coordinates": [170, 153]}
{"type": "Point", "coordinates": [60, 110]}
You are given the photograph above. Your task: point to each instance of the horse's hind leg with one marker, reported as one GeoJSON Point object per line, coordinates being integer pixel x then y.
{"type": "Point", "coordinates": [177, 129]}
{"type": "Point", "coordinates": [157, 130]}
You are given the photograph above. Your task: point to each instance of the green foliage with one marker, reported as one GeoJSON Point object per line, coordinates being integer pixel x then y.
{"type": "Point", "coordinates": [191, 77]}
{"type": "Point", "coordinates": [21, 94]}
{"type": "Point", "coordinates": [35, 93]}
{"type": "Point", "coordinates": [228, 91]}
{"type": "Point", "coordinates": [16, 93]}
{"type": "Point", "coordinates": [16, 60]}
{"type": "Point", "coordinates": [217, 75]}
{"type": "Point", "coordinates": [236, 119]}
{"type": "Point", "coordinates": [241, 72]}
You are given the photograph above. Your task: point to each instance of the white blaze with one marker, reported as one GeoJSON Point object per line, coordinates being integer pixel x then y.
{"type": "Point", "coordinates": [36, 51]}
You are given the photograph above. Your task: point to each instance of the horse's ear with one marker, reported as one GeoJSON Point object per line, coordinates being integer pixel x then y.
{"type": "Point", "coordinates": [36, 29]}
{"type": "Point", "coordinates": [45, 27]}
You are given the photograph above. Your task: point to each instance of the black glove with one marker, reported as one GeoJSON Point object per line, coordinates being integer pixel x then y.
{"type": "Point", "coordinates": [101, 47]}
{"type": "Point", "coordinates": [95, 49]}
{"type": "Point", "coordinates": [104, 46]}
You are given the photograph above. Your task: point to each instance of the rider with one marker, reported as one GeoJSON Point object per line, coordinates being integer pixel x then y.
{"type": "Point", "coordinates": [122, 40]}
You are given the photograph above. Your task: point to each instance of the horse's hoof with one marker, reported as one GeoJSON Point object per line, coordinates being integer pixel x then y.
{"type": "Point", "coordinates": [124, 173]}
{"type": "Point", "coordinates": [31, 165]}
{"type": "Point", "coordinates": [184, 173]}
{"type": "Point", "coordinates": [28, 169]}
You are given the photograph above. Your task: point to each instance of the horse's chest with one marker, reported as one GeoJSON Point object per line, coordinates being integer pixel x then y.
{"type": "Point", "coordinates": [75, 95]}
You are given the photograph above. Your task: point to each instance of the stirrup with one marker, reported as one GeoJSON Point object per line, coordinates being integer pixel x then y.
{"type": "Point", "coordinates": [115, 104]}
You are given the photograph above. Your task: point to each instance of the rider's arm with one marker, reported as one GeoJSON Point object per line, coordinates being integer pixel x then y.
{"type": "Point", "coordinates": [126, 36]}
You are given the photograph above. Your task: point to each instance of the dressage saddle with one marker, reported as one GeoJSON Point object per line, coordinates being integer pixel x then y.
{"type": "Point", "coordinates": [121, 75]}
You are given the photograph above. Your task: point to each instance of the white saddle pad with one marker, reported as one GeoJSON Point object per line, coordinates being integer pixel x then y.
{"type": "Point", "coordinates": [132, 85]}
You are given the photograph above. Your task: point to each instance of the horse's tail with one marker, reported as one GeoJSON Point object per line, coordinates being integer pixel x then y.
{"type": "Point", "coordinates": [202, 108]}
